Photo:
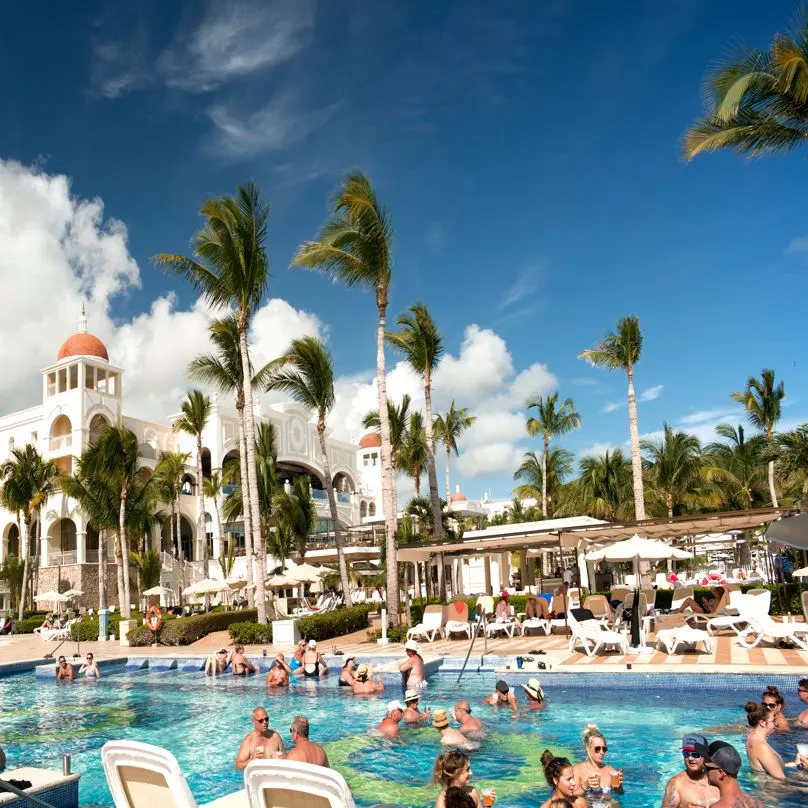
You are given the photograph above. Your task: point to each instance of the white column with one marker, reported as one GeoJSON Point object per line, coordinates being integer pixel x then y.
{"type": "Point", "coordinates": [487, 567]}
{"type": "Point", "coordinates": [3, 549]}
{"type": "Point", "coordinates": [43, 548]}
{"type": "Point", "coordinates": [583, 572]}
{"type": "Point", "coordinates": [81, 547]}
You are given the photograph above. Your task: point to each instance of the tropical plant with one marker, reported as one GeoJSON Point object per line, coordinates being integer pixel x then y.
{"type": "Point", "coordinates": [621, 351]}
{"type": "Point", "coordinates": [27, 482]}
{"type": "Point", "coordinates": [224, 372]}
{"type": "Point", "coordinates": [399, 418]}
{"type": "Point", "coordinates": [295, 518]}
{"type": "Point", "coordinates": [736, 464]}
{"type": "Point", "coordinates": [227, 558]}
{"type": "Point", "coordinates": [602, 489]}
{"type": "Point", "coordinates": [792, 451]}
{"type": "Point", "coordinates": [195, 415]}
{"type": "Point", "coordinates": [355, 247]}
{"type": "Point", "coordinates": [448, 428]}
{"type": "Point", "coordinates": [212, 489]}
{"type": "Point", "coordinates": [306, 372]}
{"type": "Point", "coordinates": [12, 573]}
{"type": "Point", "coordinates": [148, 566]}
{"type": "Point", "coordinates": [167, 482]}
{"type": "Point", "coordinates": [550, 420]}
{"type": "Point", "coordinates": [411, 458]}
{"type": "Point", "coordinates": [230, 269]}
{"type": "Point", "coordinates": [674, 467]}
{"type": "Point", "coordinates": [756, 100]}
{"type": "Point", "coordinates": [559, 466]}
{"type": "Point", "coordinates": [762, 400]}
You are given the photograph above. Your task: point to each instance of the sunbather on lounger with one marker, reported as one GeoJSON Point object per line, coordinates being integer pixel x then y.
{"type": "Point", "coordinates": [710, 604]}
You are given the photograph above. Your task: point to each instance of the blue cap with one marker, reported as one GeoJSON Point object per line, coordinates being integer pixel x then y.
{"type": "Point", "coordinates": [693, 740]}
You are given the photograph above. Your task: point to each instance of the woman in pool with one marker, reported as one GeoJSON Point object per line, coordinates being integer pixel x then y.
{"type": "Point", "coordinates": [560, 777]}
{"type": "Point", "coordinates": [90, 668]}
{"type": "Point", "coordinates": [454, 769]}
{"type": "Point", "coordinates": [297, 658]}
{"type": "Point", "coordinates": [762, 758]}
{"type": "Point", "coordinates": [593, 775]}
{"type": "Point", "coordinates": [313, 662]}
{"type": "Point", "coordinates": [773, 700]}
{"type": "Point", "coordinates": [802, 692]}
{"type": "Point", "coordinates": [347, 675]}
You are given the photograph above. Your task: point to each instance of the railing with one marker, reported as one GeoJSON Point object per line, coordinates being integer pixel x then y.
{"type": "Point", "coordinates": [318, 493]}
{"type": "Point", "coordinates": [229, 489]}
{"type": "Point", "coordinates": [68, 557]}
{"type": "Point", "coordinates": [343, 499]}
{"type": "Point", "coordinates": [475, 630]}
{"type": "Point", "coordinates": [91, 556]}
{"type": "Point", "coordinates": [60, 442]}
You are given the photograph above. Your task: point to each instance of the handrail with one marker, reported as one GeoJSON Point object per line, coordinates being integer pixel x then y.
{"type": "Point", "coordinates": [6, 786]}
{"type": "Point", "coordinates": [474, 633]}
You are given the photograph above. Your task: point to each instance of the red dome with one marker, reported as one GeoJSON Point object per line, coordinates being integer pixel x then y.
{"type": "Point", "coordinates": [458, 496]}
{"type": "Point", "coordinates": [370, 441]}
{"type": "Point", "coordinates": [83, 344]}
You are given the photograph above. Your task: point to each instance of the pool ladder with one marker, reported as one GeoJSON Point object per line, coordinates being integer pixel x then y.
{"type": "Point", "coordinates": [480, 624]}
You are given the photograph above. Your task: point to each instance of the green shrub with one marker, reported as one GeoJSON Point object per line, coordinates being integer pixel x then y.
{"type": "Point", "coordinates": [185, 630]}
{"type": "Point", "coordinates": [28, 624]}
{"type": "Point", "coordinates": [397, 634]}
{"type": "Point", "coordinates": [250, 633]}
{"type": "Point", "coordinates": [86, 629]}
{"type": "Point", "coordinates": [140, 637]}
{"type": "Point", "coordinates": [336, 623]}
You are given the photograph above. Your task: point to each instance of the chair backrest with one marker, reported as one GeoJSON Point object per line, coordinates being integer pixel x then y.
{"type": "Point", "coordinates": [598, 605]}
{"type": "Point", "coordinates": [737, 600]}
{"type": "Point", "coordinates": [631, 580]}
{"type": "Point", "coordinates": [140, 775]}
{"type": "Point", "coordinates": [433, 616]}
{"type": "Point", "coordinates": [293, 784]}
{"type": "Point", "coordinates": [758, 602]}
{"type": "Point", "coordinates": [486, 603]}
{"type": "Point", "coordinates": [619, 593]}
{"type": "Point", "coordinates": [458, 610]}
{"type": "Point", "coordinates": [574, 598]}
{"type": "Point", "coordinates": [680, 596]}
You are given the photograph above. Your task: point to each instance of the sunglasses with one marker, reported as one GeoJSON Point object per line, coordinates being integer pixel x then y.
{"type": "Point", "coordinates": [264, 720]}
{"type": "Point", "coordinates": [603, 748]}
{"type": "Point", "coordinates": [769, 705]}
{"type": "Point", "coordinates": [691, 755]}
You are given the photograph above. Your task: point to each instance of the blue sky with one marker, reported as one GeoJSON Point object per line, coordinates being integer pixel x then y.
{"type": "Point", "coordinates": [529, 157]}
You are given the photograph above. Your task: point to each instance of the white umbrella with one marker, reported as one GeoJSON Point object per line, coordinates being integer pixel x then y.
{"type": "Point", "coordinates": [280, 581]}
{"type": "Point", "coordinates": [53, 596]}
{"type": "Point", "coordinates": [637, 549]}
{"type": "Point", "coordinates": [207, 586]}
{"type": "Point", "coordinates": [236, 583]}
{"type": "Point", "coordinates": [802, 573]}
{"type": "Point", "coordinates": [305, 573]}
{"type": "Point", "coordinates": [73, 593]}
{"type": "Point", "coordinates": [159, 590]}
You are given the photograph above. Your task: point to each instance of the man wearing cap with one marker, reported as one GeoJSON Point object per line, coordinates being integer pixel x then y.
{"type": "Point", "coordinates": [469, 725]}
{"type": "Point", "coordinates": [535, 696]}
{"type": "Point", "coordinates": [363, 684]}
{"type": "Point", "coordinates": [412, 715]}
{"type": "Point", "coordinates": [690, 787]}
{"type": "Point", "coordinates": [413, 666]}
{"type": "Point", "coordinates": [278, 675]}
{"type": "Point", "coordinates": [722, 764]}
{"type": "Point", "coordinates": [502, 697]}
{"type": "Point", "coordinates": [389, 724]}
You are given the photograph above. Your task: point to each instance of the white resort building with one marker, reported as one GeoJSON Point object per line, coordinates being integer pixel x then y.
{"type": "Point", "coordinates": [82, 391]}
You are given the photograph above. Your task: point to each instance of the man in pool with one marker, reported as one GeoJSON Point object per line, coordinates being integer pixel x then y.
{"type": "Point", "coordinates": [278, 675]}
{"type": "Point", "coordinates": [449, 736]}
{"type": "Point", "coordinates": [389, 724]}
{"type": "Point", "coordinates": [364, 684]}
{"type": "Point", "coordinates": [802, 692]}
{"type": "Point", "coordinates": [413, 666]}
{"type": "Point", "coordinates": [241, 665]}
{"type": "Point", "coordinates": [261, 743]}
{"type": "Point", "coordinates": [502, 697]}
{"type": "Point", "coordinates": [217, 664]}
{"type": "Point", "coordinates": [469, 725]}
{"type": "Point", "coordinates": [412, 715]}
{"type": "Point", "coordinates": [304, 750]}
{"type": "Point", "coordinates": [64, 670]}
{"type": "Point", "coordinates": [722, 764]}
{"type": "Point", "coordinates": [691, 788]}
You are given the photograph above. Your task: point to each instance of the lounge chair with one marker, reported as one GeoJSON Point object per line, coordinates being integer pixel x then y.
{"type": "Point", "coordinates": [619, 593]}
{"type": "Point", "coordinates": [293, 784]}
{"type": "Point", "coordinates": [507, 626]}
{"type": "Point", "coordinates": [457, 619]}
{"type": "Point", "coordinates": [661, 581]}
{"type": "Point", "coordinates": [140, 775]}
{"type": "Point", "coordinates": [680, 596]}
{"type": "Point", "coordinates": [53, 634]}
{"type": "Point", "coordinates": [593, 636]}
{"type": "Point", "coordinates": [723, 604]}
{"type": "Point", "coordinates": [601, 609]}
{"type": "Point", "coordinates": [431, 624]}
{"type": "Point", "coordinates": [749, 607]}
{"type": "Point", "coordinates": [767, 628]}
{"type": "Point", "coordinates": [672, 636]}
{"type": "Point", "coordinates": [574, 598]}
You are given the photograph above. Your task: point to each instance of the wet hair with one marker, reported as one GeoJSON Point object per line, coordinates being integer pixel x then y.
{"type": "Point", "coordinates": [455, 797]}
{"type": "Point", "coordinates": [773, 692]}
{"type": "Point", "coordinates": [590, 733]}
{"type": "Point", "coordinates": [803, 683]}
{"type": "Point", "coordinates": [348, 662]}
{"type": "Point", "coordinates": [553, 766]}
{"type": "Point", "coordinates": [449, 765]}
{"type": "Point", "coordinates": [756, 713]}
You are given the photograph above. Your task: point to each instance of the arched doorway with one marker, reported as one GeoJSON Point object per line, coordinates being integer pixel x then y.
{"type": "Point", "coordinates": [372, 509]}
{"type": "Point", "coordinates": [206, 464]}
{"type": "Point", "coordinates": [188, 485]}
{"type": "Point", "coordinates": [97, 424]}
{"type": "Point", "coordinates": [187, 539]}
{"type": "Point", "coordinates": [33, 539]}
{"type": "Point", "coordinates": [13, 541]}
{"type": "Point", "coordinates": [91, 544]}
{"type": "Point", "coordinates": [363, 509]}
{"type": "Point", "coordinates": [231, 471]}
{"type": "Point", "coordinates": [62, 542]}
{"type": "Point", "coordinates": [343, 484]}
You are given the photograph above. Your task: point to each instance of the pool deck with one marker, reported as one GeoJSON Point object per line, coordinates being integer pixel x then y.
{"type": "Point", "coordinates": [728, 655]}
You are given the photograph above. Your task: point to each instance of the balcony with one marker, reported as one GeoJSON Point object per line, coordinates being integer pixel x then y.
{"type": "Point", "coordinates": [59, 559]}
{"type": "Point", "coordinates": [319, 494]}
{"type": "Point", "coordinates": [59, 442]}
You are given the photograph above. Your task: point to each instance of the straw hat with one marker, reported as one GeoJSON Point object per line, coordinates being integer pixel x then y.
{"type": "Point", "coordinates": [533, 689]}
{"type": "Point", "coordinates": [411, 695]}
{"type": "Point", "coordinates": [411, 645]}
{"type": "Point", "coordinates": [440, 719]}
{"type": "Point", "coordinates": [363, 671]}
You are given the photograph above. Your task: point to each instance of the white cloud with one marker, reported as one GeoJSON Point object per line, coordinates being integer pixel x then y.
{"type": "Point", "coordinates": [798, 245]}
{"type": "Point", "coordinates": [652, 393]}
{"type": "Point", "coordinates": [525, 285]}
{"type": "Point", "coordinates": [611, 406]}
{"type": "Point", "coordinates": [597, 449]}
{"type": "Point", "coordinates": [492, 458]}
{"type": "Point", "coordinates": [708, 415]}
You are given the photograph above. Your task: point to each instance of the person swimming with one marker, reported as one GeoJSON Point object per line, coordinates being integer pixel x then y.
{"type": "Point", "coordinates": [593, 775]}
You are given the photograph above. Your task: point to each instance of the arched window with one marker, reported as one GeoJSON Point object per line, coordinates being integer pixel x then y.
{"type": "Point", "coordinates": [231, 470]}
{"type": "Point", "coordinates": [372, 509]}
{"type": "Point", "coordinates": [13, 541]}
{"type": "Point", "coordinates": [97, 424]}
{"type": "Point", "coordinates": [61, 433]}
{"type": "Point", "coordinates": [188, 484]}
{"type": "Point", "coordinates": [33, 538]}
{"type": "Point", "coordinates": [187, 538]}
{"type": "Point", "coordinates": [363, 509]}
{"type": "Point", "coordinates": [67, 536]}
{"type": "Point", "coordinates": [206, 467]}
{"type": "Point", "coordinates": [91, 544]}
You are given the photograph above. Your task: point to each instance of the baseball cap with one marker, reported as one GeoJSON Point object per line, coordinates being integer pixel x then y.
{"type": "Point", "coordinates": [312, 643]}
{"type": "Point", "coordinates": [502, 686]}
{"type": "Point", "coordinates": [721, 755]}
{"type": "Point", "coordinates": [395, 705]}
{"type": "Point", "coordinates": [692, 741]}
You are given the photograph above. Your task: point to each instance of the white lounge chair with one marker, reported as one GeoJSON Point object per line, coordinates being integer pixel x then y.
{"type": "Point", "coordinates": [661, 581]}
{"type": "Point", "coordinates": [768, 629]}
{"type": "Point", "coordinates": [593, 636]}
{"type": "Point", "coordinates": [431, 624]}
{"type": "Point", "coordinates": [749, 607]}
{"type": "Point", "coordinates": [507, 626]}
{"type": "Point", "coordinates": [457, 621]}
{"type": "Point", "coordinates": [63, 633]}
{"type": "Point", "coordinates": [140, 775]}
{"type": "Point", "coordinates": [680, 595]}
{"type": "Point", "coordinates": [672, 638]}
{"type": "Point", "coordinates": [292, 784]}
{"type": "Point", "coordinates": [601, 609]}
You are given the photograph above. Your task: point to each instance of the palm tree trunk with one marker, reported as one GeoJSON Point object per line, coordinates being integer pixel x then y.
{"type": "Point", "coordinates": [448, 475]}
{"type": "Point", "coordinates": [416, 579]}
{"type": "Point", "coordinates": [25, 550]}
{"type": "Point", "coordinates": [544, 474]}
{"type": "Point", "coordinates": [102, 570]}
{"type": "Point", "coordinates": [252, 479]}
{"type": "Point", "coordinates": [388, 482]}
{"type": "Point", "coordinates": [772, 489]}
{"type": "Point", "coordinates": [119, 570]}
{"type": "Point", "coordinates": [432, 475]}
{"type": "Point", "coordinates": [125, 611]}
{"type": "Point", "coordinates": [200, 516]}
{"type": "Point", "coordinates": [669, 505]}
{"type": "Point", "coordinates": [636, 457]}
{"type": "Point", "coordinates": [804, 499]}
{"type": "Point", "coordinates": [332, 504]}
{"type": "Point", "coordinates": [416, 480]}
{"type": "Point", "coordinates": [246, 513]}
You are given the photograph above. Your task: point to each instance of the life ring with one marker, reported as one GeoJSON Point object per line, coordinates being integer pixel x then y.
{"type": "Point", "coordinates": [154, 619]}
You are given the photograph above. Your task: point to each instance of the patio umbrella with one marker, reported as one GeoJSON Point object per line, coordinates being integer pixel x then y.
{"type": "Point", "coordinates": [281, 581]}
{"type": "Point", "coordinates": [53, 596]}
{"type": "Point", "coordinates": [801, 573]}
{"type": "Point", "coordinates": [208, 586]}
{"type": "Point", "coordinates": [73, 593]}
{"type": "Point", "coordinates": [306, 573]}
{"type": "Point", "coordinates": [159, 590]}
{"type": "Point", "coordinates": [236, 583]}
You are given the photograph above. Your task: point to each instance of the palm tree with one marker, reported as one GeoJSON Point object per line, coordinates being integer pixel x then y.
{"type": "Point", "coordinates": [306, 372]}
{"type": "Point", "coordinates": [756, 101]}
{"type": "Point", "coordinates": [295, 516]}
{"type": "Point", "coordinates": [195, 414]}
{"type": "Point", "coordinates": [148, 566]}
{"type": "Point", "coordinates": [168, 476]}
{"type": "Point", "coordinates": [621, 351]}
{"type": "Point", "coordinates": [762, 400]}
{"type": "Point", "coordinates": [602, 490]}
{"type": "Point", "coordinates": [737, 466]}
{"type": "Point", "coordinates": [448, 428]}
{"type": "Point", "coordinates": [114, 457]}
{"type": "Point", "coordinates": [355, 248]}
{"type": "Point", "coordinates": [230, 268]}
{"type": "Point", "coordinates": [224, 372]}
{"type": "Point", "coordinates": [399, 418]}
{"type": "Point", "coordinates": [674, 466]}
{"type": "Point", "coordinates": [558, 463]}
{"type": "Point", "coordinates": [792, 448]}
{"type": "Point", "coordinates": [411, 458]}
{"type": "Point", "coordinates": [421, 344]}
{"type": "Point", "coordinates": [212, 489]}
{"type": "Point", "coordinates": [12, 572]}
{"type": "Point", "coordinates": [550, 420]}
{"type": "Point", "coordinates": [28, 480]}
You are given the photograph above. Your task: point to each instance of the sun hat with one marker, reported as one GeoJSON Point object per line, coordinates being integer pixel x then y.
{"type": "Point", "coordinates": [411, 695]}
{"type": "Point", "coordinates": [312, 643]}
{"type": "Point", "coordinates": [395, 705]}
{"type": "Point", "coordinates": [440, 719]}
{"type": "Point", "coordinates": [721, 755]}
{"type": "Point", "coordinates": [363, 671]}
{"type": "Point", "coordinates": [411, 645]}
{"type": "Point", "coordinates": [502, 686]}
{"type": "Point", "coordinates": [533, 688]}
{"type": "Point", "coordinates": [692, 741]}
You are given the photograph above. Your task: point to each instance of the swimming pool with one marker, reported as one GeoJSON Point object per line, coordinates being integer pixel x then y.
{"type": "Point", "coordinates": [202, 721]}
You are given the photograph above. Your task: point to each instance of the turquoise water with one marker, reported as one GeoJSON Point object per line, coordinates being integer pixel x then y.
{"type": "Point", "coordinates": [202, 721]}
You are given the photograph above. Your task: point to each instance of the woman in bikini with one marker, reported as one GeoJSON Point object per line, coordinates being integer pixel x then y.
{"type": "Point", "coordinates": [560, 777]}
{"type": "Point", "coordinates": [347, 675]}
{"type": "Point", "coordinates": [773, 700]}
{"type": "Point", "coordinates": [593, 775]}
{"type": "Point", "coordinates": [762, 758]}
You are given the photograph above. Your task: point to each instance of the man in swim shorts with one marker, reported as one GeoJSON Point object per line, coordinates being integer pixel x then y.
{"type": "Point", "coordinates": [389, 724]}
{"type": "Point", "coordinates": [304, 750]}
{"type": "Point", "coordinates": [469, 725]}
{"type": "Point", "coordinates": [691, 786]}
{"type": "Point", "coordinates": [278, 675]}
{"type": "Point", "coordinates": [241, 665]}
{"type": "Point", "coordinates": [413, 666]}
{"type": "Point", "coordinates": [261, 743]}
{"type": "Point", "coordinates": [722, 764]}
{"type": "Point", "coordinates": [502, 697]}
{"type": "Point", "coordinates": [412, 715]}
{"type": "Point", "coordinates": [449, 736]}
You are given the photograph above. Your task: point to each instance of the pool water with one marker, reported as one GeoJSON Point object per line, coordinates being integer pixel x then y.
{"type": "Point", "coordinates": [202, 721]}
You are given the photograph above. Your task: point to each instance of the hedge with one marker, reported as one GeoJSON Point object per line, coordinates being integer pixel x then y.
{"type": "Point", "coordinates": [250, 633]}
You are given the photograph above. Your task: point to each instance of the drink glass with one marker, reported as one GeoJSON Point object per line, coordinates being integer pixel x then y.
{"type": "Point", "coordinates": [489, 796]}
{"type": "Point", "coordinates": [259, 751]}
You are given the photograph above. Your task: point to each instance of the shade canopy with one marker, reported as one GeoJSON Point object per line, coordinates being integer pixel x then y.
{"type": "Point", "coordinates": [236, 583]}
{"type": "Point", "coordinates": [159, 590]}
{"type": "Point", "coordinates": [206, 586]}
{"type": "Point", "coordinates": [790, 530]}
{"type": "Point", "coordinates": [73, 593]}
{"type": "Point", "coordinates": [305, 573]}
{"type": "Point", "coordinates": [638, 547]}
{"type": "Point", "coordinates": [801, 573]}
{"type": "Point", "coordinates": [52, 596]}
{"type": "Point", "coordinates": [280, 581]}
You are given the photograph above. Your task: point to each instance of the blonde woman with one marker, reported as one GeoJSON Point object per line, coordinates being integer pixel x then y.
{"type": "Point", "coordinates": [593, 775]}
